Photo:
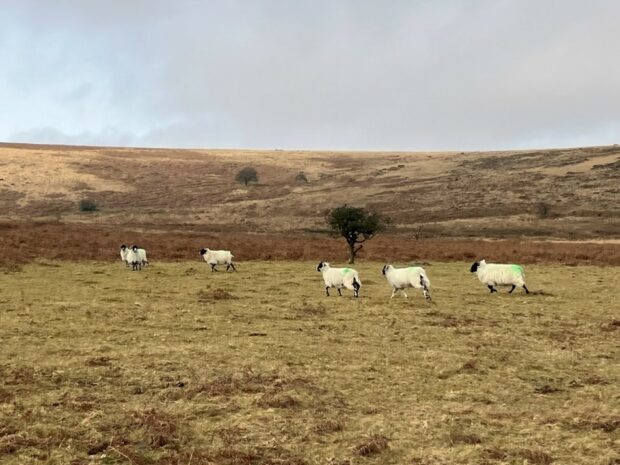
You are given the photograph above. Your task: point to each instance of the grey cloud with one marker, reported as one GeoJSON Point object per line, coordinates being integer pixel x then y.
{"type": "Point", "coordinates": [345, 74]}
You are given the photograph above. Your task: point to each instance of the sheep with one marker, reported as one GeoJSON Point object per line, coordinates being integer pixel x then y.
{"type": "Point", "coordinates": [413, 276]}
{"type": "Point", "coordinates": [134, 248]}
{"type": "Point", "coordinates": [494, 274]}
{"type": "Point", "coordinates": [133, 258]}
{"type": "Point", "coordinates": [339, 278]}
{"type": "Point", "coordinates": [218, 257]}
{"type": "Point", "coordinates": [124, 252]}
{"type": "Point", "coordinates": [141, 255]}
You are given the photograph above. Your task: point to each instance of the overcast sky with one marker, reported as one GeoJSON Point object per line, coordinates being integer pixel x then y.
{"type": "Point", "coordinates": [316, 74]}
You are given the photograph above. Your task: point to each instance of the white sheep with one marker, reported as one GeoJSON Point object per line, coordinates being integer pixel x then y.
{"type": "Point", "coordinates": [339, 278]}
{"type": "Point", "coordinates": [401, 278]}
{"type": "Point", "coordinates": [124, 252]}
{"type": "Point", "coordinates": [218, 257]}
{"type": "Point", "coordinates": [141, 255]}
{"type": "Point", "coordinates": [133, 258]}
{"type": "Point", "coordinates": [494, 274]}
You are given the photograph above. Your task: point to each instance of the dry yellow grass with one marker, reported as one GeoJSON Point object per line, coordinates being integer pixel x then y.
{"type": "Point", "coordinates": [177, 365]}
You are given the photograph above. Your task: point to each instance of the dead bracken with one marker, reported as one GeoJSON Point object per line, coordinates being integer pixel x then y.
{"type": "Point", "coordinates": [372, 445]}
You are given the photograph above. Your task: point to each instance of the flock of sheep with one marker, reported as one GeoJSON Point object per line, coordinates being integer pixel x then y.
{"type": "Point", "coordinates": [490, 274]}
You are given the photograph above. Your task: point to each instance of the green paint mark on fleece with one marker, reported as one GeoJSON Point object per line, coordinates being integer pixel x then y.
{"type": "Point", "coordinates": [346, 270]}
{"type": "Point", "coordinates": [517, 268]}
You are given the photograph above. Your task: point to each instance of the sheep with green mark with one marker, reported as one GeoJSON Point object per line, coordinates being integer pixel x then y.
{"type": "Point", "coordinates": [496, 274]}
{"type": "Point", "coordinates": [401, 278]}
{"type": "Point", "coordinates": [340, 278]}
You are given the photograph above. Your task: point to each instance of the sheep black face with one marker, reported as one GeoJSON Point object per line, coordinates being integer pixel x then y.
{"type": "Point", "coordinates": [385, 267]}
{"type": "Point", "coordinates": [134, 248]}
{"type": "Point", "coordinates": [474, 267]}
{"type": "Point", "coordinates": [319, 268]}
{"type": "Point", "coordinates": [123, 247]}
{"type": "Point", "coordinates": [203, 251]}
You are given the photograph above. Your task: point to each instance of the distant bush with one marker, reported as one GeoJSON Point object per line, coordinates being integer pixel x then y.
{"type": "Point", "coordinates": [301, 178]}
{"type": "Point", "coordinates": [246, 175]}
{"type": "Point", "coordinates": [543, 210]}
{"type": "Point", "coordinates": [87, 205]}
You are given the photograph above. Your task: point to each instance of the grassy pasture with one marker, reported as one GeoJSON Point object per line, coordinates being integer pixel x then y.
{"type": "Point", "coordinates": [177, 365]}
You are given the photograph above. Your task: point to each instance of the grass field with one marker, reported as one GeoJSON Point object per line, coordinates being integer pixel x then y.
{"type": "Point", "coordinates": [177, 365]}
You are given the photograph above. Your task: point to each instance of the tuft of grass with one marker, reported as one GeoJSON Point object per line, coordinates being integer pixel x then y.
{"type": "Point", "coordinates": [214, 295]}
{"type": "Point", "coordinates": [329, 425]}
{"type": "Point", "coordinates": [277, 400]}
{"type": "Point", "coordinates": [160, 427]}
{"type": "Point", "coordinates": [535, 456]}
{"type": "Point", "coordinates": [458, 436]}
{"type": "Point", "coordinates": [372, 445]}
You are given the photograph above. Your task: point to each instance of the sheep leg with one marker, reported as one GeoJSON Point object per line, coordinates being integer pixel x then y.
{"type": "Point", "coordinates": [404, 293]}
{"type": "Point", "coordinates": [512, 289]}
{"type": "Point", "coordinates": [393, 292]}
{"type": "Point", "coordinates": [525, 288]}
{"type": "Point", "coordinates": [327, 290]}
{"type": "Point", "coordinates": [233, 266]}
{"type": "Point", "coordinates": [339, 293]}
{"type": "Point", "coordinates": [213, 268]}
{"type": "Point", "coordinates": [491, 288]}
{"type": "Point", "coordinates": [427, 295]}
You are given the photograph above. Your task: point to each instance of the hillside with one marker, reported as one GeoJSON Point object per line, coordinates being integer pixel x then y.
{"type": "Point", "coordinates": [568, 194]}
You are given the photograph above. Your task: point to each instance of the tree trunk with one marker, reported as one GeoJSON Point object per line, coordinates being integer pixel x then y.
{"type": "Point", "coordinates": [352, 253]}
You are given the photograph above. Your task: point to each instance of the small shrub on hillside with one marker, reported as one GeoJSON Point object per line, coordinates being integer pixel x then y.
{"type": "Point", "coordinates": [301, 178]}
{"type": "Point", "coordinates": [88, 205]}
{"type": "Point", "coordinates": [247, 175]}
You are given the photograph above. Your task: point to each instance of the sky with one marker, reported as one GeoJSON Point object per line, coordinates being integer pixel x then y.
{"type": "Point", "coordinates": [316, 74]}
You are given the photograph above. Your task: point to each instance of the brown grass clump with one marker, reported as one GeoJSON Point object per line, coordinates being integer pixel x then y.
{"type": "Point", "coordinates": [5, 396]}
{"type": "Point", "coordinates": [277, 400]}
{"type": "Point", "coordinates": [160, 427]}
{"type": "Point", "coordinates": [215, 295]}
{"type": "Point", "coordinates": [535, 456]}
{"type": "Point", "coordinates": [372, 445]}
{"type": "Point", "coordinates": [102, 361]}
{"type": "Point", "coordinates": [329, 425]}
{"type": "Point", "coordinates": [459, 436]}
{"type": "Point", "coordinates": [613, 325]}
